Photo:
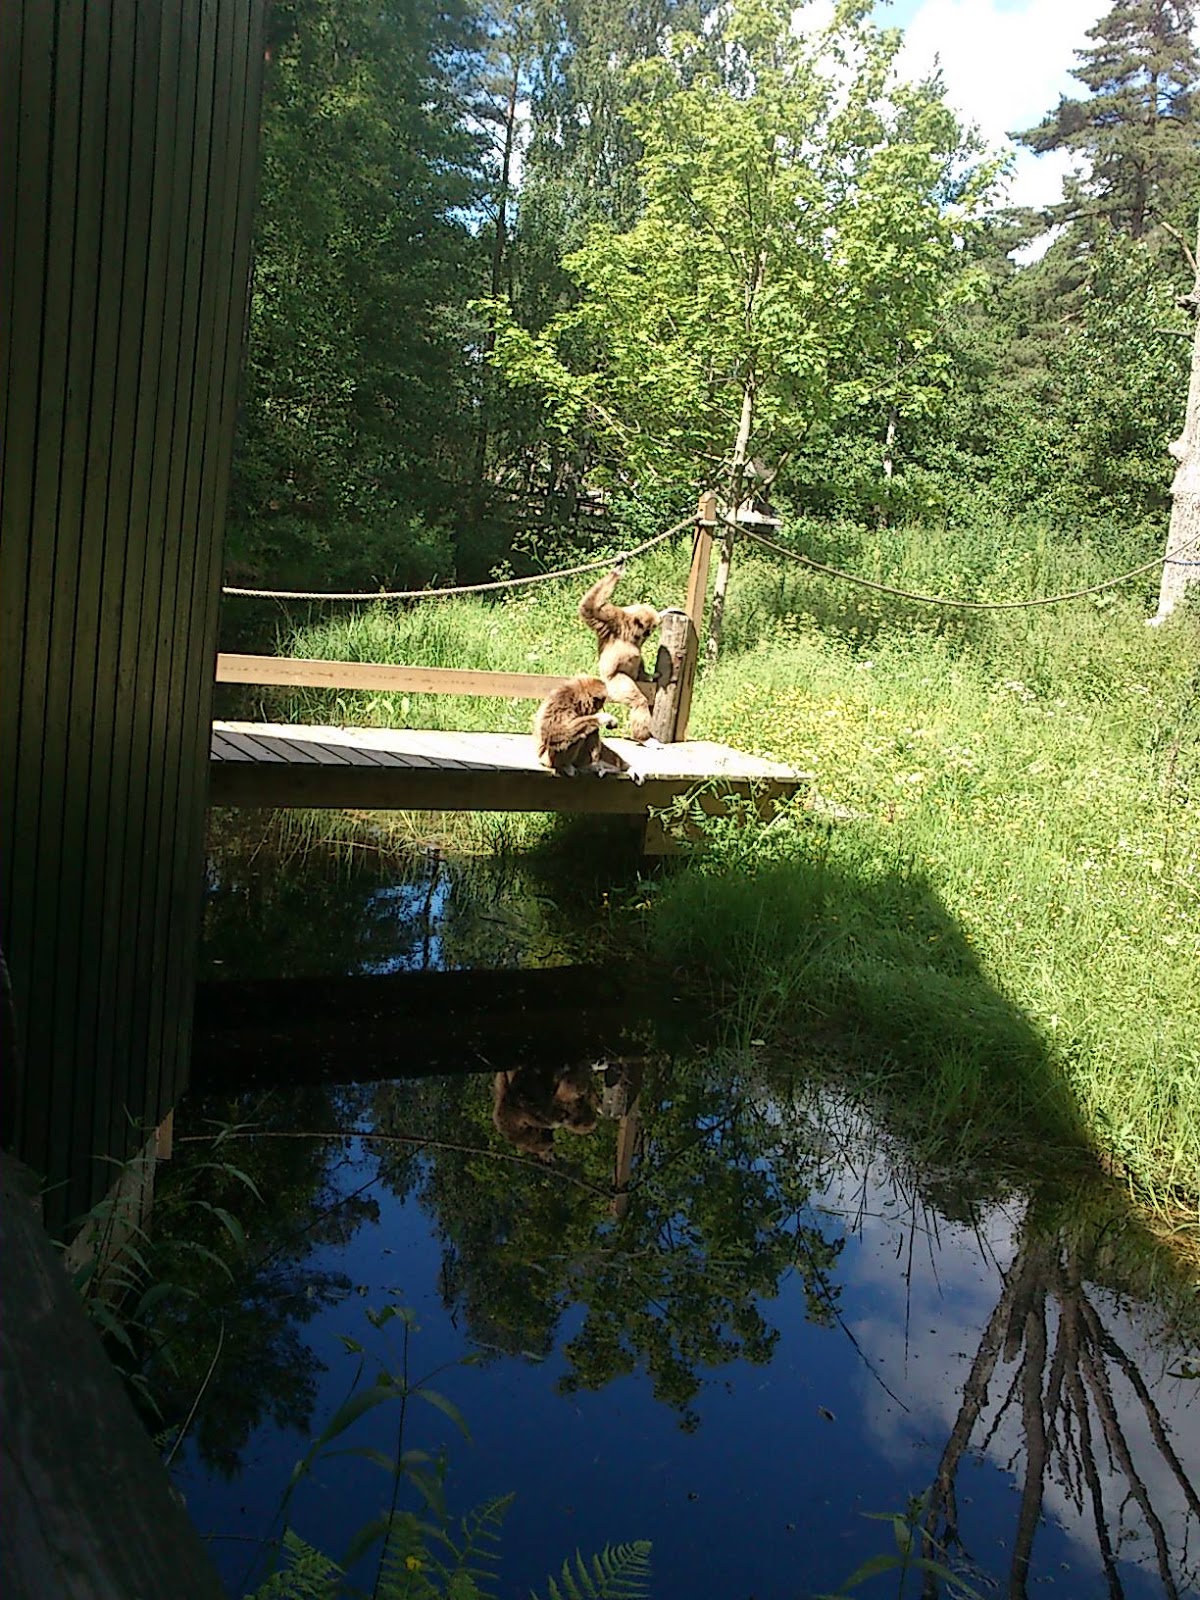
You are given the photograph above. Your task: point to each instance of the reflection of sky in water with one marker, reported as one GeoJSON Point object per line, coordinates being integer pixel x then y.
{"type": "Point", "coordinates": [416, 910]}
{"type": "Point", "coordinates": [767, 1498]}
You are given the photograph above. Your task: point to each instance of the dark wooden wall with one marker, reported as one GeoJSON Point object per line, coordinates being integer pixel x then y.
{"type": "Point", "coordinates": [128, 157]}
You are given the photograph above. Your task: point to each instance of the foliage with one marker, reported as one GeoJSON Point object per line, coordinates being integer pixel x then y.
{"type": "Point", "coordinates": [427, 1556]}
{"type": "Point", "coordinates": [356, 384]}
{"type": "Point", "coordinates": [619, 1572]}
{"type": "Point", "coordinates": [131, 1277]}
{"type": "Point", "coordinates": [1135, 134]}
{"type": "Point", "coordinates": [801, 231]}
{"type": "Point", "coordinates": [1119, 372]}
{"type": "Point", "coordinates": [907, 1557]}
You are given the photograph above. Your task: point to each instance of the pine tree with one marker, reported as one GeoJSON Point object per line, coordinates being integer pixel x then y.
{"type": "Point", "coordinates": [1138, 131]}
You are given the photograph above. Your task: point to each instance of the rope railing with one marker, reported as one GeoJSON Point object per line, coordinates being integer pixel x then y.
{"type": "Point", "coordinates": [746, 533]}
{"type": "Point", "coordinates": [946, 600]}
{"type": "Point", "coordinates": [464, 588]}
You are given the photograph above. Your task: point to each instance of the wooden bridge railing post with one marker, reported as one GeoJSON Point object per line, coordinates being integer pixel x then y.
{"type": "Point", "coordinates": [680, 633]}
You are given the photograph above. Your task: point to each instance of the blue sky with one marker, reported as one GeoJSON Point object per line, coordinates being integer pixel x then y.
{"type": "Point", "coordinates": [1005, 63]}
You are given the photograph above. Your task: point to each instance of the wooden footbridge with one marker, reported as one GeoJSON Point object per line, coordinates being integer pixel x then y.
{"type": "Point", "coordinates": [410, 769]}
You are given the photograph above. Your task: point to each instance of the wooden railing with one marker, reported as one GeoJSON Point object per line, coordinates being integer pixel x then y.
{"type": "Point", "coordinates": [292, 672]}
{"type": "Point", "coordinates": [671, 704]}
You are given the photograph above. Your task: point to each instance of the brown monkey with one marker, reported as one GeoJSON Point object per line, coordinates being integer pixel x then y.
{"type": "Point", "coordinates": [530, 1103]}
{"type": "Point", "coordinates": [566, 730]}
{"type": "Point", "coordinates": [622, 630]}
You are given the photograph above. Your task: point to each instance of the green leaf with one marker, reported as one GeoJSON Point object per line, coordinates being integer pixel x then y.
{"type": "Point", "coordinates": [353, 1408]}
{"type": "Point", "coordinates": [433, 1398]}
{"type": "Point", "coordinates": [870, 1568]}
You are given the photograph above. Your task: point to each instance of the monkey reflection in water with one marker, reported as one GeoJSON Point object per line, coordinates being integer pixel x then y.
{"type": "Point", "coordinates": [531, 1102]}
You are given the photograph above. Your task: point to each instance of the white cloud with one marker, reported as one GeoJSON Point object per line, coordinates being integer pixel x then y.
{"type": "Point", "coordinates": [1004, 67]}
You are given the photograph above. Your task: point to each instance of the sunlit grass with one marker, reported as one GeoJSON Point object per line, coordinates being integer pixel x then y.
{"type": "Point", "coordinates": [1039, 778]}
{"type": "Point", "coordinates": [1008, 916]}
{"type": "Point", "coordinates": [535, 630]}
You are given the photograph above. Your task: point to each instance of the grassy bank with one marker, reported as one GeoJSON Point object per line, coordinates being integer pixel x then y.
{"type": "Point", "coordinates": [1006, 915]}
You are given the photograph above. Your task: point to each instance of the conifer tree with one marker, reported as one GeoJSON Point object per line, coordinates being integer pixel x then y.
{"type": "Point", "coordinates": [1137, 132]}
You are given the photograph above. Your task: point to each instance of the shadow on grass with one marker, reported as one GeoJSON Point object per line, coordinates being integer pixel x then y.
{"type": "Point", "coordinates": [865, 964]}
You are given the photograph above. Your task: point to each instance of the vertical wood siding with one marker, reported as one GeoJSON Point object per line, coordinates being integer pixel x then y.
{"type": "Point", "coordinates": [128, 150]}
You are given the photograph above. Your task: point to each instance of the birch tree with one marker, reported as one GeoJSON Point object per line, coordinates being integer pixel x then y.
{"type": "Point", "coordinates": [1181, 568]}
{"type": "Point", "coordinates": [804, 217]}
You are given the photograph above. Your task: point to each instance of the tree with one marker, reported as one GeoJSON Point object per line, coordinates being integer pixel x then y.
{"type": "Point", "coordinates": [357, 383]}
{"type": "Point", "coordinates": [1137, 132]}
{"type": "Point", "coordinates": [801, 232]}
{"type": "Point", "coordinates": [1181, 568]}
{"type": "Point", "coordinates": [1093, 346]}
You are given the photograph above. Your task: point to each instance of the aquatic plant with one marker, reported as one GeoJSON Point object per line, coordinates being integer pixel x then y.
{"type": "Point", "coordinates": [413, 1571]}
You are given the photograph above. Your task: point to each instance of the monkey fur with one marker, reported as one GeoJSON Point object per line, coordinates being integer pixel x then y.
{"type": "Point", "coordinates": [530, 1103]}
{"type": "Point", "coordinates": [622, 631]}
{"type": "Point", "coordinates": [566, 729]}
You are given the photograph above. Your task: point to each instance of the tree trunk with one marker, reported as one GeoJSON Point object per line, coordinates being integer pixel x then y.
{"type": "Point", "coordinates": [499, 257]}
{"type": "Point", "coordinates": [737, 488]}
{"type": "Point", "coordinates": [1181, 568]}
{"type": "Point", "coordinates": [737, 470]}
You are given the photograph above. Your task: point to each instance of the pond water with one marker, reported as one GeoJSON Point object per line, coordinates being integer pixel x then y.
{"type": "Point", "coordinates": [702, 1300]}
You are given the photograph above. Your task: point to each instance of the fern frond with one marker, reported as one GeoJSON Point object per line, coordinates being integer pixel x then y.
{"type": "Point", "coordinates": [619, 1572]}
{"type": "Point", "coordinates": [405, 1571]}
{"type": "Point", "coordinates": [475, 1557]}
{"type": "Point", "coordinates": [306, 1575]}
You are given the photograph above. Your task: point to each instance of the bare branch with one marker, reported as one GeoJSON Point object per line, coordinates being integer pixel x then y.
{"type": "Point", "coordinates": [1183, 245]}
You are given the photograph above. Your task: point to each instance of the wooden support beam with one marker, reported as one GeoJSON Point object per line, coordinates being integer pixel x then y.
{"type": "Point", "coordinates": [289, 672]}
{"type": "Point", "coordinates": [697, 592]}
{"type": "Point", "coordinates": [436, 788]}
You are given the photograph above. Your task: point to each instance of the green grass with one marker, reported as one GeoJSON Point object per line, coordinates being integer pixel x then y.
{"type": "Point", "coordinates": [1011, 914]}
{"type": "Point", "coordinates": [536, 630]}
{"type": "Point", "coordinates": [1006, 924]}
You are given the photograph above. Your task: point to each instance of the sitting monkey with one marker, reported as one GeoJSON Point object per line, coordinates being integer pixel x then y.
{"type": "Point", "coordinates": [622, 630]}
{"type": "Point", "coordinates": [530, 1103]}
{"type": "Point", "coordinates": [566, 730]}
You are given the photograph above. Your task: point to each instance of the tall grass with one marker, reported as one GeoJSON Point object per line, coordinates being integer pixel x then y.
{"type": "Point", "coordinates": [1009, 915]}
{"type": "Point", "coordinates": [1034, 777]}
{"type": "Point", "coordinates": [532, 630]}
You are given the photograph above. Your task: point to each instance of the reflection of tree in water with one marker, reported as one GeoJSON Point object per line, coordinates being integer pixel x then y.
{"type": "Point", "coordinates": [1064, 1394]}
{"type": "Point", "coordinates": [668, 1272]}
{"type": "Point", "coordinates": [252, 1308]}
{"type": "Point", "coordinates": [278, 908]}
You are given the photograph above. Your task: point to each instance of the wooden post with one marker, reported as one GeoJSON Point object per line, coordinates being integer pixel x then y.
{"type": "Point", "coordinates": [627, 1134]}
{"type": "Point", "coordinates": [697, 589]}
{"type": "Point", "coordinates": [680, 633]}
{"type": "Point", "coordinates": [713, 643]}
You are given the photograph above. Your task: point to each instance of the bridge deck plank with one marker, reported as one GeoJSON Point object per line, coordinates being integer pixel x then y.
{"type": "Point", "coordinates": [427, 769]}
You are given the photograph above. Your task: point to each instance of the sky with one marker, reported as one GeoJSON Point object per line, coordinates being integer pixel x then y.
{"type": "Point", "coordinates": [1005, 63]}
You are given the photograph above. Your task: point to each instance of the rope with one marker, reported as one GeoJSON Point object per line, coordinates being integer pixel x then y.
{"type": "Point", "coordinates": [942, 600]}
{"type": "Point", "coordinates": [463, 588]}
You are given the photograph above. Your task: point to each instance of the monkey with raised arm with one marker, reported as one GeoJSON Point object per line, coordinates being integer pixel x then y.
{"type": "Point", "coordinates": [566, 730]}
{"type": "Point", "coordinates": [622, 631]}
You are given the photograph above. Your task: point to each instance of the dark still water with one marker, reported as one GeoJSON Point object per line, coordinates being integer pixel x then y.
{"type": "Point", "coordinates": [701, 1299]}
